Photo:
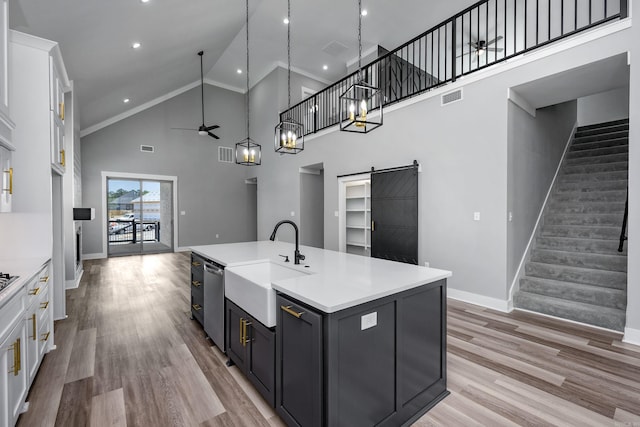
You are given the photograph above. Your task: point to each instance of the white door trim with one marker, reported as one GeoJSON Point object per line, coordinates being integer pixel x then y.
{"type": "Point", "coordinates": [141, 176]}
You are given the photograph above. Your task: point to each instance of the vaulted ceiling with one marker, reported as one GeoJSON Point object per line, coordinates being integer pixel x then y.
{"type": "Point", "coordinates": [96, 40]}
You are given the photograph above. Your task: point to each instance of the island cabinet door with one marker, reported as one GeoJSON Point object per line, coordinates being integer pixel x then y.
{"type": "Point", "coordinates": [236, 318]}
{"type": "Point", "coordinates": [299, 387]}
{"type": "Point", "coordinates": [260, 359]}
{"type": "Point", "coordinates": [422, 372]}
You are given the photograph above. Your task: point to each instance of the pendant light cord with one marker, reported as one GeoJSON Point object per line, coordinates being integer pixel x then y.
{"type": "Point", "coordinates": [202, 85]}
{"type": "Point", "coordinates": [289, 55]}
{"type": "Point", "coordinates": [247, 98]}
{"type": "Point", "coordinates": [359, 40]}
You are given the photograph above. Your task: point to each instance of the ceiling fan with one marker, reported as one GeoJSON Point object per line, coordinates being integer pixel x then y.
{"type": "Point", "coordinates": [203, 129]}
{"type": "Point", "coordinates": [480, 47]}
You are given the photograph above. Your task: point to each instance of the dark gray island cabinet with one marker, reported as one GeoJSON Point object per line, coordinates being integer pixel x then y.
{"type": "Point", "coordinates": [380, 363]}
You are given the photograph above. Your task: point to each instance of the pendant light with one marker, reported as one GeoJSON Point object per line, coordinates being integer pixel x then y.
{"type": "Point", "coordinates": [289, 134]}
{"type": "Point", "coordinates": [248, 152]}
{"type": "Point", "coordinates": [357, 103]}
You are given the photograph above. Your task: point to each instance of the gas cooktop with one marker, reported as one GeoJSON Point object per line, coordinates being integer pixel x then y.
{"type": "Point", "coordinates": [6, 279]}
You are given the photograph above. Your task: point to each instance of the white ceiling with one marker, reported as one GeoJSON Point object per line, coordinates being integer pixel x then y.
{"type": "Point", "coordinates": [95, 38]}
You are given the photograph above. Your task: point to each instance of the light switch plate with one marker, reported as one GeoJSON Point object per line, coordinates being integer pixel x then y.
{"type": "Point", "coordinates": [476, 216]}
{"type": "Point", "coordinates": [183, 212]}
{"type": "Point", "coordinates": [293, 213]}
{"type": "Point", "coordinates": [368, 320]}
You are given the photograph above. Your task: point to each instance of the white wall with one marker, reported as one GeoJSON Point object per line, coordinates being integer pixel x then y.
{"type": "Point", "coordinates": [535, 149]}
{"type": "Point", "coordinates": [632, 331]}
{"type": "Point", "coordinates": [604, 106]}
{"type": "Point", "coordinates": [463, 149]}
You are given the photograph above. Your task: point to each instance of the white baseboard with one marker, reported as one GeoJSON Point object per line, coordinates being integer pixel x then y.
{"type": "Point", "coordinates": [182, 249]}
{"type": "Point", "coordinates": [70, 284]}
{"type": "Point", "coordinates": [100, 255]}
{"type": "Point", "coordinates": [631, 336]}
{"type": "Point", "coordinates": [489, 302]}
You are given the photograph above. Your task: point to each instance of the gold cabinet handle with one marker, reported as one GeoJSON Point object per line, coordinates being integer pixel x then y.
{"type": "Point", "coordinates": [197, 307]}
{"type": "Point", "coordinates": [16, 358]}
{"type": "Point", "coordinates": [44, 279]}
{"type": "Point", "coordinates": [241, 330]}
{"type": "Point", "coordinates": [10, 189]}
{"type": "Point", "coordinates": [35, 329]}
{"type": "Point", "coordinates": [44, 305]}
{"type": "Point", "coordinates": [196, 264]}
{"type": "Point", "coordinates": [287, 309]}
{"type": "Point", "coordinates": [373, 225]}
{"type": "Point", "coordinates": [61, 110]}
{"type": "Point", "coordinates": [246, 338]}
{"type": "Point", "coordinates": [45, 337]}
{"type": "Point", "coordinates": [62, 158]}
{"type": "Point", "coordinates": [35, 291]}
{"type": "Point", "coordinates": [196, 283]}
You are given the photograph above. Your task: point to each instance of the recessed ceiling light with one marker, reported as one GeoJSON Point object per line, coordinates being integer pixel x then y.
{"type": "Point", "coordinates": [136, 45]}
{"type": "Point", "coordinates": [285, 20]}
{"type": "Point", "coordinates": [144, 1]}
{"type": "Point", "coordinates": [325, 67]}
{"type": "Point", "coordinates": [364, 12]}
{"type": "Point", "coordinates": [239, 71]}
{"type": "Point", "coordinates": [126, 100]}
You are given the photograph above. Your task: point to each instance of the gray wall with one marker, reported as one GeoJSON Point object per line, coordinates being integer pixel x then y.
{"type": "Point", "coordinates": [633, 250]}
{"type": "Point", "coordinates": [213, 195]}
{"type": "Point", "coordinates": [604, 106]}
{"type": "Point", "coordinates": [463, 149]}
{"type": "Point", "coordinates": [535, 147]}
{"type": "Point", "coordinates": [312, 209]}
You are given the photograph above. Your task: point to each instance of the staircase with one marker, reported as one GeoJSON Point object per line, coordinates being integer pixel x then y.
{"type": "Point", "coordinates": [575, 270]}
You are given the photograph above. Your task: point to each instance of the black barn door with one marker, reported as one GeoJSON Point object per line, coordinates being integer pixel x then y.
{"type": "Point", "coordinates": [394, 215]}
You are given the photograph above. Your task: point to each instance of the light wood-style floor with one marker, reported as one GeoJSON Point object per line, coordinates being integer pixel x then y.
{"type": "Point", "coordinates": [128, 354]}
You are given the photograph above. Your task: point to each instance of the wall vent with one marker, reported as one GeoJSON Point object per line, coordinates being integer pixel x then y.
{"type": "Point", "coordinates": [147, 148]}
{"type": "Point", "coordinates": [450, 97]}
{"type": "Point", "coordinates": [225, 154]}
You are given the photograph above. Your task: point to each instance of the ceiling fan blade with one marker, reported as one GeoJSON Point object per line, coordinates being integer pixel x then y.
{"type": "Point", "coordinates": [213, 136]}
{"type": "Point", "coordinates": [492, 41]}
{"type": "Point", "coordinates": [208, 128]}
{"type": "Point", "coordinates": [494, 49]}
{"type": "Point", "coordinates": [184, 128]}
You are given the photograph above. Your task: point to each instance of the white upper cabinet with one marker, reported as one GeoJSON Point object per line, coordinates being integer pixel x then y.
{"type": "Point", "coordinates": [6, 124]}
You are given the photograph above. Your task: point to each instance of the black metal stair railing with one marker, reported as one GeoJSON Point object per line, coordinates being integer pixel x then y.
{"type": "Point", "coordinates": [486, 33]}
{"type": "Point", "coordinates": [623, 231]}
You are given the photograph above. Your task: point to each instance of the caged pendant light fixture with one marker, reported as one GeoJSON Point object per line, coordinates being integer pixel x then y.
{"type": "Point", "coordinates": [289, 134]}
{"type": "Point", "coordinates": [358, 102]}
{"type": "Point", "coordinates": [248, 152]}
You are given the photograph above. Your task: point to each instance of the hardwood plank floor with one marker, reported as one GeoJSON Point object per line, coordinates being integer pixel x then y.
{"type": "Point", "coordinates": [128, 354]}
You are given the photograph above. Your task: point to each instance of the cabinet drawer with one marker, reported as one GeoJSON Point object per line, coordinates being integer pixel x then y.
{"type": "Point", "coordinates": [11, 311]}
{"type": "Point", "coordinates": [45, 334]}
{"type": "Point", "coordinates": [38, 283]}
{"type": "Point", "coordinates": [44, 303]}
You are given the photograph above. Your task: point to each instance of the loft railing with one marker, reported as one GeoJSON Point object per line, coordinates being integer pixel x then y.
{"type": "Point", "coordinates": [623, 231]}
{"type": "Point", "coordinates": [502, 29]}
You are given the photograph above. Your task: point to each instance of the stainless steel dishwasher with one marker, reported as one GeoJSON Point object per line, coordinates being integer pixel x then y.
{"type": "Point", "coordinates": [214, 303]}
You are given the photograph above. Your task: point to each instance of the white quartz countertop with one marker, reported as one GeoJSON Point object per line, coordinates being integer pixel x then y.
{"type": "Point", "coordinates": [335, 280]}
{"type": "Point", "coordinates": [25, 268]}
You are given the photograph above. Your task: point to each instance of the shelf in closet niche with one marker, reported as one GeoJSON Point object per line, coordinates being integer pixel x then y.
{"type": "Point", "coordinates": [359, 227]}
{"type": "Point", "coordinates": [360, 245]}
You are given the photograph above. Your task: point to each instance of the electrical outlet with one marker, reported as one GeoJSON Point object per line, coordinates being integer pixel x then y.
{"type": "Point", "coordinates": [183, 212]}
{"type": "Point", "coordinates": [426, 263]}
{"type": "Point", "coordinates": [293, 213]}
{"type": "Point", "coordinates": [510, 216]}
{"type": "Point", "coordinates": [368, 320]}
{"type": "Point", "coordinates": [336, 214]}
{"type": "Point", "coordinates": [476, 216]}
{"type": "Point", "coordinates": [217, 236]}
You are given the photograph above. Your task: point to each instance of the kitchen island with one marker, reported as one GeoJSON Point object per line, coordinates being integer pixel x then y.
{"type": "Point", "coordinates": [347, 340]}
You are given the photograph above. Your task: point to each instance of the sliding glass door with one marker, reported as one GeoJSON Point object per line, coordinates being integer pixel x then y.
{"type": "Point", "coordinates": [139, 216]}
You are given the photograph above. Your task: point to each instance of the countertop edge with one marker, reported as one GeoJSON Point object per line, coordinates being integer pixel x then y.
{"type": "Point", "coordinates": [25, 274]}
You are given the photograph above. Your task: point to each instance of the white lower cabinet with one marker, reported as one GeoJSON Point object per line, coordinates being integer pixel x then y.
{"type": "Point", "coordinates": [14, 373]}
{"type": "Point", "coordinates": [26, 334]}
